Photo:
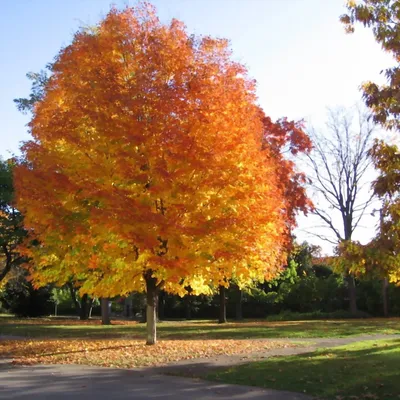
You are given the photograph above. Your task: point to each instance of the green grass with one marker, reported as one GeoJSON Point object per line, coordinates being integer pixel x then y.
{"type": "Point", "coordinates": [364, 370]}
{"type": "Point", "coordinates": [295, 316]}
{"type": "Point", "coordinates": [59, 328]}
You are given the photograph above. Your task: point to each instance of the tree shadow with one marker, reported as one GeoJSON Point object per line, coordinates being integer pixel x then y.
{"type": "Point", "coordinates": [368, 372]}
{"type": "Point", "coordinates": [202, 330]}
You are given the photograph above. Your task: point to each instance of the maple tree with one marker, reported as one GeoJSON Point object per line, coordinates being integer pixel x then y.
{"type": "Point", "coordinates": [383, 17]}
{"type": "Point", "coordinates": [151, 166]}
{"type": "Point", "coordinates": [386, 159]}
{"type": "Point", "coordinates": [279, 138]}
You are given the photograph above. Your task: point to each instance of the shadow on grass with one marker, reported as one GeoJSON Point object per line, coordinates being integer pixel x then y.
{"type": "Point", "coordinates": [366, 370]}
{"type": "Point", "coordinates": [204, 330]}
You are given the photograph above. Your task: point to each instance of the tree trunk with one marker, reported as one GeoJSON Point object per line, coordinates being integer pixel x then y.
{"type": "Point", "coordinates": [352, 294]}
{"type": "Point", "coordinates": [239, 310]}
{"type": "Point", "coordinates": [8, 264]}
{"type": "Point", "coordinates": [72, 293]}
{"type": "Point", "coordinates": [222, 305]}
{"type": "Point", "coordinates": [84, 310]}
{"type": "Point", "coordinates": [127, 307]}
{"type": "Point", "coordinates": [90, 307]}
{"type": "Point", "coordinates": [385, 285]}
{"type": "Point", "coordinates": [188, 307]}
{"type": "Point", "coordinates": [161, 306]}
{"type": "Point", "coordinates": [151, 312]}
{"type": "Point", "coordinates": [143, 318]}
{"type": "Point", "coordinates": [105, 312]}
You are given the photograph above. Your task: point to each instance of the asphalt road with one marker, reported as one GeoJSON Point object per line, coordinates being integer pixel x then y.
{"type": "Point", "coordinates": [62, 382]}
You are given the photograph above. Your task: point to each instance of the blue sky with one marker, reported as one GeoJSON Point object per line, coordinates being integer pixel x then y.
{"type": "Point", "coordinates": [296, 50]}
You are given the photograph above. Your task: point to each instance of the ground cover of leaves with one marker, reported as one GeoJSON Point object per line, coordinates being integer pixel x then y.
{"type": "Point", "coordinates": [118, 353]}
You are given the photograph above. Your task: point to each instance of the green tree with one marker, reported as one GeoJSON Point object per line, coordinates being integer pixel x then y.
{"type": "Point", "coordinates": [22, 299]}
{"type": "Point", "coordinates": [39, 81]}
{"type": "Point", "coordinates": [12, 231]}
{"type": "Point", "coordinates": [383, 16]}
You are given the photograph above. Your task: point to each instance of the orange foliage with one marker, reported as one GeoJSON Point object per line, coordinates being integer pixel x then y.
{"type": "Point", "coordinates": [146, 161]}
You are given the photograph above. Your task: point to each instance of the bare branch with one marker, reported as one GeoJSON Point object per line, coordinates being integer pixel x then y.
{"type": "Point", "coordinates": [322, 237]}
{"type": "Point", "coordinates": [340, 164]}
{"type": "Point", "coordinates": [329, 222]}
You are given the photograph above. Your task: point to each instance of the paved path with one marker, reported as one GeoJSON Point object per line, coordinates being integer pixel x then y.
{"type": "Point", "coordinates": [64, 382]}
{"type": "Point", "coordinates": [67, 382]}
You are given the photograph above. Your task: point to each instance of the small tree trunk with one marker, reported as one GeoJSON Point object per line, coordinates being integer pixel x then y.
{"type": "Point", "coordinates": [105, 313]}
{"type": "Point", "coordinates": [188, 307]}
{"type": "Point", "coordinates": [84, 310]}
{"type": "Point", "coordinates": [385, 285]}
{"type": "Point", "coordinates": [90, 307]}
{"type": "Point", "coordinates": [8, 265]}
{"type": "Point", "coordinates": [352, 294]}
{"type": "Point", "coordinates": [143, 319]}
{"type": "Point", "coordinates": [161, 306]}
{"type": "Point", "coordinates": [151, 312]}
{"type": "Point", "coordinates": [239, 310]}
{"type": "Point", "coordinates": [72, 293]}
{"type": "Point", "coordinates": [222, 305]}
{"type": "Point", "coordinates": [127, 308]}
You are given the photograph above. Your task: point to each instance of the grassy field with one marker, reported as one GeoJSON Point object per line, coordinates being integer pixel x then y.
{"type": "Point", "coordinates": [364, 370]}
{"type": "Point", "coordinates": [61, 328]}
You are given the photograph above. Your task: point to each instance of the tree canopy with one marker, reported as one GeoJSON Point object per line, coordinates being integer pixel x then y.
{"type": "Point", "coordinates": [12, 231]}
{"type": "Point", "coordinates": [152, 165]}
{"type": "Point", "coordinates": [383, 17]}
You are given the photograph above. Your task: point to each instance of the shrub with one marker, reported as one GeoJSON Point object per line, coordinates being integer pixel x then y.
{"type": "Point", "coordinates": [20, 298]}
{"type": "Point", "coordinates": [339, 314]}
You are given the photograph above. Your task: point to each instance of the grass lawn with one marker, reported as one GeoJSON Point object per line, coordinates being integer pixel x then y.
{"type": "Point", "coordinates": [61, 328]}
{"type": "Point", "coordinates": [363, 370]}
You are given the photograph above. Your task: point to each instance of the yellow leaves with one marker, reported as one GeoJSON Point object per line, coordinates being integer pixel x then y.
{"type": "Point", "coordinates": [167, 159]}
{"type": "Point", "coordinates": [49, 259]}
{"type": "Point", "coordinates": [395, 278]}
{"type": "Point", "coordinates": [119, 353]}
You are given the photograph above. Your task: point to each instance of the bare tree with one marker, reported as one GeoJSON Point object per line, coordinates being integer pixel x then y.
{"type": "Point", "coordinates": [341, 177]}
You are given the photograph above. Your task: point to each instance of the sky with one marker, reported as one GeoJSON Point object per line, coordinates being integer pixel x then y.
{"type": "Point", "coordinates": [297, 51]}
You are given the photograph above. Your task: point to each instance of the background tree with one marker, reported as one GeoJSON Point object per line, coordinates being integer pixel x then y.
{"type": "Point", "coordinates": [339, 165]}
{"type": "Point", "coordinates": [105, 311]}
{"type": "Point", "coordinates": [39, 81]}
{"type": "Point", "coordinates": [12, 231]}
{"type": "Point", "coordinates": [383, 17]}
{"type": "Point", "coordinates": [145, 165]}
{"type": "Point", "coordinates": [19, 297]}
{"type": "Point", "coordinates": [383, 100]}
{"type": "Point", "coordinates": [380, 257]}
{"type": "Point", "coordinates": [386, 159]}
